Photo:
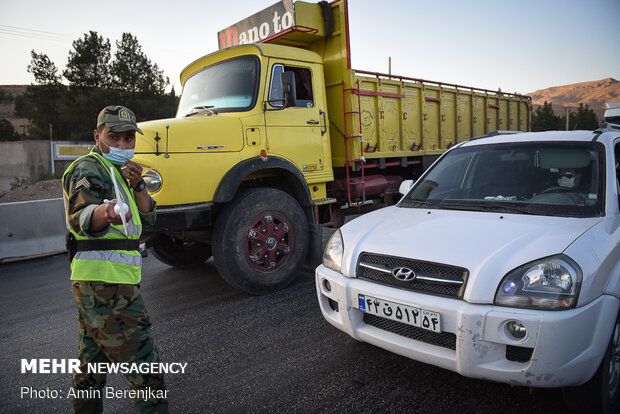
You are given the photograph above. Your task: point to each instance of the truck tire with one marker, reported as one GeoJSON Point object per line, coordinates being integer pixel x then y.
{"type": "Point", "coordinates": [178, 252]}
{"type": "Point", "coordinates": [260, 241]}
{"type": "Point", "coordinates": [601, 394]}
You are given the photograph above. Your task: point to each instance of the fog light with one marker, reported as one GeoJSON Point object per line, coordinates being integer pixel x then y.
{"type": "Point", "coordinates": [327, 285]}
{"type": "Point", "coordinates": [516, 329]}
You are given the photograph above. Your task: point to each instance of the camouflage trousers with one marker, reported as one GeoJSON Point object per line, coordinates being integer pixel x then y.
{"type": "Point", "coordinates": [114, 327]}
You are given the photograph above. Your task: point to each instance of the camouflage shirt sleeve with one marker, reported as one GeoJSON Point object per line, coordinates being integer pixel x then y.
{"type": "Point", "coordinates": [148, 219]}
{"type": "Point", "coordinates": [87, 185]}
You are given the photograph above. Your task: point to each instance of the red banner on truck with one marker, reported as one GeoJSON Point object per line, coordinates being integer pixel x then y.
{"type": "Point", "coordinates": [259, 26]}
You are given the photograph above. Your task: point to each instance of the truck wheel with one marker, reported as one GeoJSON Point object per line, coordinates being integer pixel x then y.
{"type": "Point", "coordinates": [260, 241]}
{"type": "Point", "coordinates": [178, 252]}
{"type": "Point", "coordinates": [602, 393]}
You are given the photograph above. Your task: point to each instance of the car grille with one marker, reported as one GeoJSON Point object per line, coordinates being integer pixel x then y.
{"type": "Point", "coordinates": [431, 278]}
{"type": "Point", "coordinates": [443, 339]}
{"type": "Point", "coordinates": [518, 353]}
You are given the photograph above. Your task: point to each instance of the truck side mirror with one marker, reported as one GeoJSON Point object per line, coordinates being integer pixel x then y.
{"type": "Point", "coordinates": [289, 93]}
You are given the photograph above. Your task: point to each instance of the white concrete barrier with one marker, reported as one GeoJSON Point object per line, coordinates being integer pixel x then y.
{"type": "Point", "coordinates": [31, 228]}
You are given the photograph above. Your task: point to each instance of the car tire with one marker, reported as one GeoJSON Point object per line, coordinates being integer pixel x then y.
{"type": "Point", "coordinates": [260, 241]}
{"type": "Point", "coordinates": [601, 394]}
{"type": "Point", "coordinates": [178, 252]}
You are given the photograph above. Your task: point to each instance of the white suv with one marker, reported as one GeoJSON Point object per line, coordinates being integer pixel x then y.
{"type": "Point", "coordinates": [501, 262]}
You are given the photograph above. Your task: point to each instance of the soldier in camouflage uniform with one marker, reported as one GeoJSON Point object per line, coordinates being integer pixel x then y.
{"type": "Point", "coordinates": [106, 264]}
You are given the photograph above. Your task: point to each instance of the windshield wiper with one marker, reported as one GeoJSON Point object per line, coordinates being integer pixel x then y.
{"type": "Point", "coordinates": [485, 205]}
{"type": "Point", "coordinates": [201, 109]}
{"type": "Point", "coordinates": [419, 203]}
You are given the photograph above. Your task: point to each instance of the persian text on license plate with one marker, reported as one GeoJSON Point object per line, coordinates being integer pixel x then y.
{"type": "Point", "coordinates": [410, 315]}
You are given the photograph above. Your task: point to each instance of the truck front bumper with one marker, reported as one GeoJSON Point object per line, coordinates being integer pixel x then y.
{"type": "Point", "coordinates": [561, 348]}
{"type": "Point", "coordinates": [182, 218]}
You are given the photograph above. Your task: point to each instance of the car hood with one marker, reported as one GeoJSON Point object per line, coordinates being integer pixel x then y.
{"type": "Point", "coordinates": [489, 245]}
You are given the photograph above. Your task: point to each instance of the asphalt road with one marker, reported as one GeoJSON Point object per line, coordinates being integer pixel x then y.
{"type": "Point", "coordinates": [273, 353]}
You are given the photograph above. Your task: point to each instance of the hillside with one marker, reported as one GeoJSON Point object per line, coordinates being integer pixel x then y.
{"type": "Point", "coordinates": [594, 94]}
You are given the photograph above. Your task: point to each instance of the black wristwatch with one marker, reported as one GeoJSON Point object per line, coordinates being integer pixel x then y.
{"type": "Point", "coordinates": [140, 186]}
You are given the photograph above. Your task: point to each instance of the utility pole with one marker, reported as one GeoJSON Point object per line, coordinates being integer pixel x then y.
{"type": "Point", "coordinates": [52, 148]}
{"type": "Point", "coordinates": [567, 115]}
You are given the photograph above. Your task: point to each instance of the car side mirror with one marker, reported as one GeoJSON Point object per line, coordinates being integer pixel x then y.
{"type": "Point", "coordinates": [405, 186]}
{"type": "Point", "coordinates": [288, 89]}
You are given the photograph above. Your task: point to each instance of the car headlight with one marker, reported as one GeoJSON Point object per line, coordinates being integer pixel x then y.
{"type": "Point", "coordinates": [332, 256]}
{"type": "Point", "coordinates": [550, 283]}
{"type": "Point", "coordinates": [152, 180]}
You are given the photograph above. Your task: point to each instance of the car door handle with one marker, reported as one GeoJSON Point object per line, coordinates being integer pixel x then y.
{"type": "Point", "coordinates": [312, 122]}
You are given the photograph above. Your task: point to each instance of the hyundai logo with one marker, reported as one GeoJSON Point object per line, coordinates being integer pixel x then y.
{"type": "Point", "coordinates": [403, 274]}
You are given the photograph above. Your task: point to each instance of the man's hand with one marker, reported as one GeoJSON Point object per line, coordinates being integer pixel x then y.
{"type": "Point", "coordinates": [104, 215]}
{"type": "Point", "coordinates": [110, 215]}
{"type": "Point", "coordinates": [132, 171]}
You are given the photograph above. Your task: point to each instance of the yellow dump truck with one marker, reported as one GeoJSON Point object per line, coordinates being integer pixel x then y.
{"type": "Point", "coordinates": [276, 136]}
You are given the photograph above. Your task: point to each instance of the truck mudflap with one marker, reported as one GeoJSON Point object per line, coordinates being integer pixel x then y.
{"type": "Point", "coordinates": [182, 218]}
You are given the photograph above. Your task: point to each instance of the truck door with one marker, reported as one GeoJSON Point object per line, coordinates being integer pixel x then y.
{"type": "Point", "coordinates": [298, 133]}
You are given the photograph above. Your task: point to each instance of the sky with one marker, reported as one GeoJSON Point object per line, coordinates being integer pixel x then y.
{"type": "Point", "coordinates": [518, 46]}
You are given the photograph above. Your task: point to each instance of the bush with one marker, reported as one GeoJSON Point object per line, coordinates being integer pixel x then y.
{"type": "Point", "coordinates": [7, 132]}
{"type": "Point", "coordinates": [46, 176]}
{"type": "Point", "coordinates": [18, 182]}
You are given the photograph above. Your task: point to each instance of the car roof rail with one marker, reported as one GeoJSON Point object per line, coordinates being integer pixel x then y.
{"type": "Point", "coordinates": [605, 127]}
{"type": "Point", "coordinates": [496, 133]}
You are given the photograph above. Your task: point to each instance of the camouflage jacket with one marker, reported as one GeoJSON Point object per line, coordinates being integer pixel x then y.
{"type": "Point", "coordinates": [87, 185]}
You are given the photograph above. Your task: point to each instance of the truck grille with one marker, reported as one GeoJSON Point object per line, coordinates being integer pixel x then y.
{"type": "Point", "coordinates": [431, 278]}
{"type": "Point", "coordinates": [444, 339]}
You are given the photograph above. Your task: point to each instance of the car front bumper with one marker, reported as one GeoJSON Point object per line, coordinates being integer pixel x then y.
{"type": "Point", "coordinates": [561, 348]}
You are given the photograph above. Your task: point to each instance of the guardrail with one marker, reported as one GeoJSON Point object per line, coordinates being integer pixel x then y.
{"type": "Point", "coordinates": [31, 229]}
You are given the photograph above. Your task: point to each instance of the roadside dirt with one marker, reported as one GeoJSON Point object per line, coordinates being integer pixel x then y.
{"type": "Point", "coordinates": [42, 190]}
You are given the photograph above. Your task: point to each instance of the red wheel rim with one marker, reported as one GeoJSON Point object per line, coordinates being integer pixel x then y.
{"type": "Point", "coordinates": [268, 242]}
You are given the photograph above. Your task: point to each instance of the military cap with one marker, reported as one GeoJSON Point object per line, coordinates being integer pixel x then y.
{"type": "Point", "coordinates": [118, 118]}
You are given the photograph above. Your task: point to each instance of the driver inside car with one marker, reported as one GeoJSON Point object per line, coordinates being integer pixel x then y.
{"type": "Point", "coordinates": [569, 178]}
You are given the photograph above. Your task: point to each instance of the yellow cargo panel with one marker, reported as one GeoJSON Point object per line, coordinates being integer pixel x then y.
{"type": "Point", "coordinates": [448, 119]}
{"type": "Point", "coordinates": [463, 117]}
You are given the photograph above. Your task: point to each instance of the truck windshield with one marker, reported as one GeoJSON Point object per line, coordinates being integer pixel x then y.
{"type": "Point", "coordinates": [227, 86]}
{"type": "Point", "coordinates": [542, 178]}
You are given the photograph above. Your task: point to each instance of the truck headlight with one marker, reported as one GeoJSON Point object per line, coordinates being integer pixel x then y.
{"type": "Point", "coordinates": [332, 256]}
{"type": "Point", "coordinates": [550, 283]}
{"type": "Point", "coordinates": [152, 180]}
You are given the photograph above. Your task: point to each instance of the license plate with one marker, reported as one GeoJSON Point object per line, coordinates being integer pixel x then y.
{"type": "Point", "coordinates": [431, 321]}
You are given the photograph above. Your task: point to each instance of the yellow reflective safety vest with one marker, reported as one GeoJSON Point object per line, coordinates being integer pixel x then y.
{"type": "Point", "coordinates": [110, 266]}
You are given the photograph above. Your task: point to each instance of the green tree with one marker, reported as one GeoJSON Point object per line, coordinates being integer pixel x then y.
{"type": "Point", "coordinates": [7, 132]}
{"type": "Point", "coordinates": [43, 69]}
{"type": "Point", "coordinates": [544, 119]}
{"type": "Point", "coordinates": [41, 102]}
{"type": "Point", "coordinates": [585, 118]}
{"type": "Point", "coordinates": [88, 62]}
{"type": "Point", "coordinates": [133, 72]}
{"type": "Point", "coordinates": [5, 96]}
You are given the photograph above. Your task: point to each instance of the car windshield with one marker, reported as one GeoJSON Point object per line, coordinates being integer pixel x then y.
{"type": "Point", "coordinates": [542, 178]}
{"type": "Point", "coordinates": [227, 86]}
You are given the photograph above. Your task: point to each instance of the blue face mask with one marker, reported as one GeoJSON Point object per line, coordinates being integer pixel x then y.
{"type": "Point", "coordinates": [117, 156]}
